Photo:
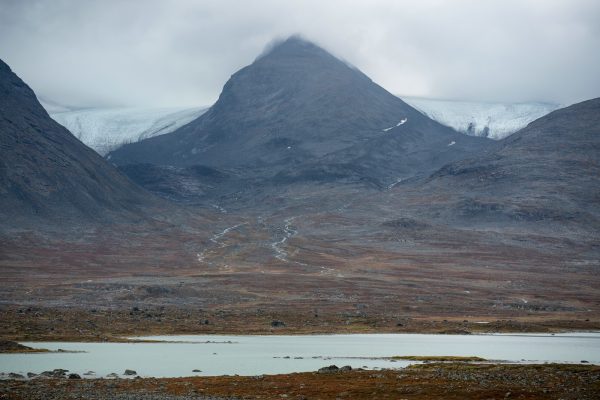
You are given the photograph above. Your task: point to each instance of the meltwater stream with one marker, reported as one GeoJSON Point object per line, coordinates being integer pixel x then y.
{"type": "Point", "coordinates": [255, 355]}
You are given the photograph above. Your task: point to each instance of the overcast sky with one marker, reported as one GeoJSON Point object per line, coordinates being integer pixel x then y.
{"type": "Point", "coordinates": [176, 53]}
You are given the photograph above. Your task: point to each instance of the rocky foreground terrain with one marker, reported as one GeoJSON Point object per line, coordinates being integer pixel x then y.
{"type": "Point", "coordinates": [424, 381]}
{"type": "Point", "coordinates": [77, 324]}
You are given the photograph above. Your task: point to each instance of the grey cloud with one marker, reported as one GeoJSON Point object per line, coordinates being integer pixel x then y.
{"type": "Point", "coordinates": [181, 52]}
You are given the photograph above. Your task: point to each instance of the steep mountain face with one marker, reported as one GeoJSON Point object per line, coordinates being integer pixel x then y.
{"type": "Point", "coordinates": [547, 173]}
{"type": "Point", "coordinates": [45, 172]}
{"type": "Point", "coordinates": [298, 112]}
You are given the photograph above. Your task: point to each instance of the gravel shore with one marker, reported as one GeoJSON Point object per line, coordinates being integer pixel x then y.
{"type": "Point", "coordinates": [448, 381]}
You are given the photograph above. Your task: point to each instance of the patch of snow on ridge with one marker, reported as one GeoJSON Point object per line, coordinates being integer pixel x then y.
{"type": "Point", "coordinates": [402, 122]}
{"type": "Point", "coordinates": [106, 129]}
{"type": "Point", "coordinates": [492, 120]}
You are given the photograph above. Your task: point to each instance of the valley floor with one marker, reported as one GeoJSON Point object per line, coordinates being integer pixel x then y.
{"type": "Point", "coordinates": [425, 381]}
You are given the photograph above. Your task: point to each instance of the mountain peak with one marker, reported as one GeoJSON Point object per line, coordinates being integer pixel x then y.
{"type": "Point", "coordinates": [294, 45]}
{"type": "Point", "coordinates": [297, 104]}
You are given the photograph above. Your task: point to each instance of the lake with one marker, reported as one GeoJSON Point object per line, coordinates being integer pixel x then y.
{"type": "Point", "coordinates": [255, 355]}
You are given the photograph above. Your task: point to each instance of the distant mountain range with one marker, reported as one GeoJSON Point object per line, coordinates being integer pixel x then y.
{"type": "Point", "coordinates": [298, 115]}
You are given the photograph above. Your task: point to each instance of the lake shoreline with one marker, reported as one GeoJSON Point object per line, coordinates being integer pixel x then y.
{"type": "Point", "coordinates": [423, 381]}
{"type": "Point", "coordinates": [116, 325]}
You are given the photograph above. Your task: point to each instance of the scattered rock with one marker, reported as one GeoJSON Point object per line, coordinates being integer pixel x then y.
{"type": "Point", "coordinates": [31, 375]}
{"type": "Point", "coordinates": [56, 373]}
{"type": "Point", "coordinates": [74, 376]}
{"type": "Point", "coordinates": [196, 370]}
{"type": "Point", "coordinates": [13, 375]}
{"type": "Point", "coordinates": [277, 324]}
{"type": "Point", "coordinates": [328, 370]}
{"type": "Point", "coordinates": [129, 372]}
{"type": "Point", "coordinates": [346, 368]}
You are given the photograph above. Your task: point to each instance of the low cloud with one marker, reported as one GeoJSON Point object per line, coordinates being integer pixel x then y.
{"type": "Point", "coordinates": [158, 53]}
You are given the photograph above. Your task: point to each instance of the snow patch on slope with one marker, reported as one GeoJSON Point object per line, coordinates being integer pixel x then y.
{"type": "Point", "coordinates": [492, 120]}
{"type": "Point", "coordinates": [402, 122]}
{"type": "Point", "coordinates": [106, 129]}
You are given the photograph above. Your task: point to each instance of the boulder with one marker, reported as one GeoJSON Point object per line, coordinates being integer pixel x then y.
{"type": "Point", "coordinates": [56, 373]}
{"type": "Point", "coordinates": [328, 370]}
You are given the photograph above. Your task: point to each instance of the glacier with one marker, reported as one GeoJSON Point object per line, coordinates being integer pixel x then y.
{"type": "Point", "coordinates": [492, 120]}
{"type": "Point", "coordinates": [106, 129]}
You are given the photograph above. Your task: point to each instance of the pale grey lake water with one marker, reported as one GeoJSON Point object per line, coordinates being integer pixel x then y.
{"type": "Point", "coordinates": [255, 355]}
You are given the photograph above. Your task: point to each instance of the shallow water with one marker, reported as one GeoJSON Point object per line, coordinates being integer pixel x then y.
{"type": "Point", "coordinates": [255, 355]}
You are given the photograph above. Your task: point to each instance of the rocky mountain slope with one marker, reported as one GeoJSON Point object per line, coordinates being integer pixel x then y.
{"type": "Point", "coordinates": [46, 172]}
{"type": "Point", "coordinates": [300, 114]}
{"type": "Point", "coordinates": [545, 175]}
